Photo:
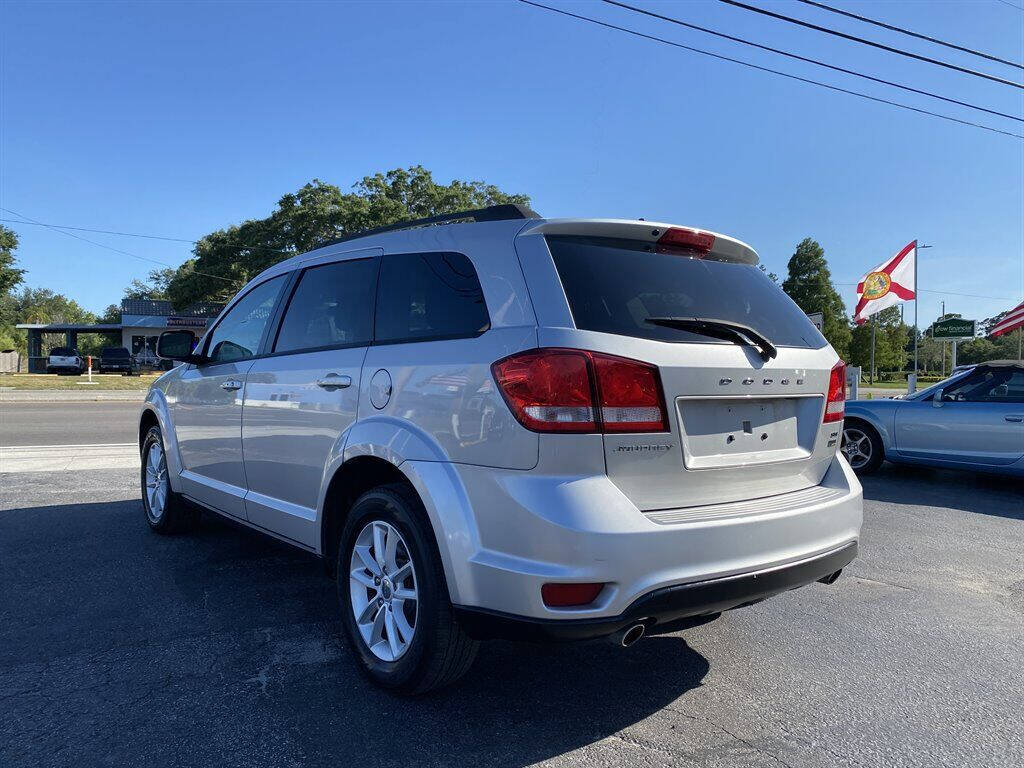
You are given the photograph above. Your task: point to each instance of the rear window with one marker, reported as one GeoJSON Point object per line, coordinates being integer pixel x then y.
{"type": "Point", "coordinates": [614, 285]}
{"type": "Point", "coordinates": [425, 296]}
{"type": "Point", "coordinates": [61, 352]}
{"type": "Point", "coordinates": [115, 352]}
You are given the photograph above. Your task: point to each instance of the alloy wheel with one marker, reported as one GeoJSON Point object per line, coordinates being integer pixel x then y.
{"type": "Point", "coordinates": [156, 481]}
{"type": "Point", "coordinates": [382, 585]}
{"type": "Point", "coordinates": [857, 447]}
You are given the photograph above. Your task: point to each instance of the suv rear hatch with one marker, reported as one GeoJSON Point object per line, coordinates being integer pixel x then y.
{"type": "Point", "coordinates": [745, 374]}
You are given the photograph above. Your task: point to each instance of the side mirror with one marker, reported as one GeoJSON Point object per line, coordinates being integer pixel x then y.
{"type": "Point", "coordinates": [937, 398]}
{"type": "Point", "coordinates": [177, 345]}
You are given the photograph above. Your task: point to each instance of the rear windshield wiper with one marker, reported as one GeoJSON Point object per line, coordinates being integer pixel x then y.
{"type": "Point", "coordinates": [719, 329]}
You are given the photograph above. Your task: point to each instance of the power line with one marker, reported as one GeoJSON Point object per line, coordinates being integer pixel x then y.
{"type": "Point", "coordinates": [1012, 5]}
{"type": "Point", "coordinates": [30, 220]}
{"type": "Point", "coordinates": [811, 61]}
{"type": "Point", "coordinates": [148, 237]}
{"type": "Point", "coordinates": [768, 69]}
{"type": "Point", "coordinates": [872, 43]}
{"type": "Point", "coordinates": [919, 36]}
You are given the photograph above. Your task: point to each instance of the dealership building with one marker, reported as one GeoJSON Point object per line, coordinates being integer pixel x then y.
{"type": "Point", "coordinates": [142, 322]}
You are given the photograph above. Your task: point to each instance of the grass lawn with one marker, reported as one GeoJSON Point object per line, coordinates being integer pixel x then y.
{"type": "Point", "coordinates": [52, 381]}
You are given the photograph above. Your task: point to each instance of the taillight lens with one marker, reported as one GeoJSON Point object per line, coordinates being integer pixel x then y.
{"type": "Point", "coordinates": [700, 243]}
{"type": "Point", "coordinates": [572, 390]}
{"type": "Point", "coordinates": [835, 404]}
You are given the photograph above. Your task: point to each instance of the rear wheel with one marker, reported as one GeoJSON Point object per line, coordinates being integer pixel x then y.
{"type": "Point", "coordinates": [394, 598]}
{"type": "Point", "coordinates": [862, 447]}
{"type": "Point", "coordinates": [166, 511]}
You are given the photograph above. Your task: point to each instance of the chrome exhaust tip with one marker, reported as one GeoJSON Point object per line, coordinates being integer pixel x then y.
{"type": "Point", "coordinates": [630, 635]}
{"type": "Point", "coordinates": [831, 578]}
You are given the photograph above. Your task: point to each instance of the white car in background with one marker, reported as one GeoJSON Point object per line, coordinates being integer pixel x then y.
{"type": "Point", "coordinates": [65, 360]}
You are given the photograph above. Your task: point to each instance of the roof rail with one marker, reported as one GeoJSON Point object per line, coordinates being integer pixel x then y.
{"type": "Point", "coordinates": [505, 212]}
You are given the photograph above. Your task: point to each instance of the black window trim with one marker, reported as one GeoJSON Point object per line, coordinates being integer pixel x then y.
{"type": "Point", "coordinates": [287, 292]}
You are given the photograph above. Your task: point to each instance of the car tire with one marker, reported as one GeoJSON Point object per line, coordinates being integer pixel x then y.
{"type": "Point", "coordinates": [166, 511]}
{"type": "Point", "coordinates": [862, 446]}
{"type": "Point", "coordinates": [376, 616]}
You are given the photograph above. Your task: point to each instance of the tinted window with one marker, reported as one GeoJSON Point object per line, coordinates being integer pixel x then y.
{"type": "Point", "coordinates": [61, 352]}
{"type": "Point", "coordinates": [989, 385]}
{"type": "Point", "coordinates": [332, 305]}
{"type": "Point", "coordinates": [429, 295]}
{"type": "Point", "coordinates": [615, 285]}
{"type": "Point", "coordinates": [115, 352]}
{"type": "Point", "coordinates": [237, 335]}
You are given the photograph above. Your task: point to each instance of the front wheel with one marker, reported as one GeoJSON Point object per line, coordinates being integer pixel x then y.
{"type": "Point", "coordinates": [862, 447]}
{"type": "Point", "coordinates": [166, 511]}
{"type": "Point", "coordinates": [394, 597]}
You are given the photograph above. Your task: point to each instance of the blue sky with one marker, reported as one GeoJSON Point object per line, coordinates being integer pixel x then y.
{"type": "Point", "coordinates": [177, 119]}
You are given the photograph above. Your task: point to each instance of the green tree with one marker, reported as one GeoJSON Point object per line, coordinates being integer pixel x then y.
{"type": "Point", "coordinates": [809, 284]}
{"type": "Point", "coordinates": [10, 274]}
{"type": "Point", "coordinates": [10, 278]}
{"type": "Point", "coordinates": [891, 337]}
{"type": "Point", "coordinates": [225, 260]}
{"type": "Point", "coordinates": [155, 288]}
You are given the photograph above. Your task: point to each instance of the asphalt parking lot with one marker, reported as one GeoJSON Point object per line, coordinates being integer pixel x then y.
{"type": "Point", "coordinates": [119, 647]}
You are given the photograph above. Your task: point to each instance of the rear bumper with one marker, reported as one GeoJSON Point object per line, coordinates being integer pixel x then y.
{"type": "Point", "coordinates": [661, 608]}
{"type": "Point", "coordinates": [525, 529]}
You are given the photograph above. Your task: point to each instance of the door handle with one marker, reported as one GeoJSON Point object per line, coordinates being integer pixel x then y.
{"type": "Point", "coordinates": [231, 385]}
{"type": "Point", "coordinates": [1015, 419]}
{"type": "Point", "coordinates": [334, 381]}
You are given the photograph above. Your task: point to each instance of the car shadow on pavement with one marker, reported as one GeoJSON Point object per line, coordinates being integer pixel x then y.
{"type": "Point", "coordinates": [958, 489]}
{"type": "Point", "coordinates": [224, 647]}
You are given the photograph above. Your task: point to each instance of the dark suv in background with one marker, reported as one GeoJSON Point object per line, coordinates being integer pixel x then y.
{"type": "Point", "coordinates": [116, 359]}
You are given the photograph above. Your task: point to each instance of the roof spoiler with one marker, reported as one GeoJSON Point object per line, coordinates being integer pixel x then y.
{"type": "Point", "coordinates": [505, 212]}
{"type": "Point", "coordinates": [721, 246]}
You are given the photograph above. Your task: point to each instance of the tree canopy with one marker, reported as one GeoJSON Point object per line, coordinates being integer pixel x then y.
{"type": "Point", "coordinates": [225, 260]}
{"type": "Point", "coordinates": [809, 284]}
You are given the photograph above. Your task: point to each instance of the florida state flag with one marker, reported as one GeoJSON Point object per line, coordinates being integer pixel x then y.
{"type": "Point", "coordinates": [887, 284]}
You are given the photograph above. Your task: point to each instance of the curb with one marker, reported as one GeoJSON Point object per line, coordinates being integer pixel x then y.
{"type": "Point", "coordinates": [66, 396]}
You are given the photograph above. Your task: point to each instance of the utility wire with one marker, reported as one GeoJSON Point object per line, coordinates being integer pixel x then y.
{"type": "Point", "coordinates": [919, 36]}
{"type": "Point", "coordinates": [811, 61]}
{"type": "Point", "coordinates": [110, 248]}
{"type": "Point", "coordinates": [148, 237]}
{"type": "Point", "coordinates": [872, 43]}
{"type": "Point", "coordinates": [767, 69]}
{"type": "Point", "coordinates": [1012, 5]}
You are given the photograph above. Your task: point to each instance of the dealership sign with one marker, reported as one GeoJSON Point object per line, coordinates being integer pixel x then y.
{"type": "Point", "coordinates": [194, 322]}
{"type": "Point", "coordinates": [954, 328]}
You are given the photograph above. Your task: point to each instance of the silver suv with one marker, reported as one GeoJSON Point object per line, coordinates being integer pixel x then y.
{"type": "Point", "coordinates": [494, 425]}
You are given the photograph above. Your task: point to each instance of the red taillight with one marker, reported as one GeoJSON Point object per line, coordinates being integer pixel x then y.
{"type": "Point", "coordinates": [565, 595]}
{"type": "Point", "coordinates": [555, 390]}
{"type": "Point", "coordinates": [630, 393]}
{"type": "Point", "coordinates": [687, 239]}
{"type": "Point", "coordinates": [835, 404]}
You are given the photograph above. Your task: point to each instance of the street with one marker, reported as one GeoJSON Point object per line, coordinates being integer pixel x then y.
{"type": "Point", "coordinates": [70, 423]}
{"type": "Point", "coordinates": [120, 647]}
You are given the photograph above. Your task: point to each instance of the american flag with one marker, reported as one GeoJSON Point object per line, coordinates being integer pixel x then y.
{"type": "Point", "coordinates": [1014, 319]}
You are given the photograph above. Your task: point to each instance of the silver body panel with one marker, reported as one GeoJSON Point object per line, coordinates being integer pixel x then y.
{"type": "Point", "coordinates": [511, 508]}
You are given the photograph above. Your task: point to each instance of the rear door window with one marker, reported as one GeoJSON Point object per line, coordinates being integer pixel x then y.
{"type": "Point", "coordinates": [613, 286]}
{"type": "Point", "coordinates": [423, 296]}
{"type": "Point", "coordinates": [332, 307]}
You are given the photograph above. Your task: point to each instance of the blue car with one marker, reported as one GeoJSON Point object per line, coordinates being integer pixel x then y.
{"type": "Point", "coordinates": [972, 420]}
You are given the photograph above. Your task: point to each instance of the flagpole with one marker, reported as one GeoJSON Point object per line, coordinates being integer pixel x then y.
{"type": "Point", "coordinates": [872, 350]}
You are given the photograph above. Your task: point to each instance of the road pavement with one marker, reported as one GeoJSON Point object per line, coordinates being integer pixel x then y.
{"type": "Point", "coordinates": [62, 423]}
{"type": "Point", "coordinates": [223, 648]}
